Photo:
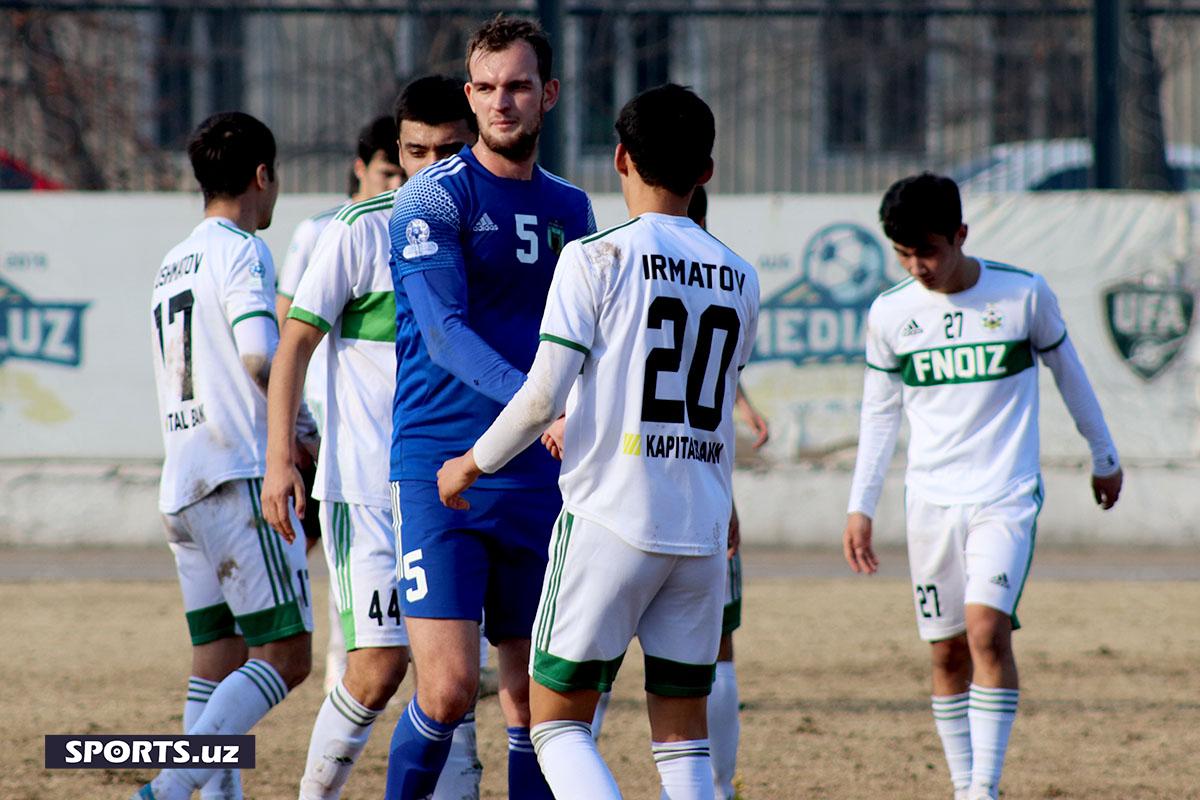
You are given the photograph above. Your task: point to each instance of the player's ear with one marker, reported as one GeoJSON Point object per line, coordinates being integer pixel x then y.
{"type": "Point", "coordinates": [550, 95]}
{"type": "Point", "coordinates": [961, 236]}
{"type": "Point", "coordinates": [706, 176]}
{"type": "Point", "coordinates": [262, 177]}
{"type": "Point", "coordinates": [621, 160]}
{"type": "Point", "coordinates": [360, 168]}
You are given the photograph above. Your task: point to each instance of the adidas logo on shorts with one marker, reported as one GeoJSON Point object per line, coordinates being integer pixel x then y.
{"type": "Point", "coordinates": [484, 224]}
{"type": "Point", "coordinates": [911, 329]}
{"type": "Point", "coordinates": [1000, 580]}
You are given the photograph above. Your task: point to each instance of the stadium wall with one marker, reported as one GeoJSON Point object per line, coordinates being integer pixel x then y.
{"type": "Point", "coordinates": [78, 420]}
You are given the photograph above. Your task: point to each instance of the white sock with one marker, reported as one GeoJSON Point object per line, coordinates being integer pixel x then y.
{"type": "Point", "coordinates": [238, 702]}
{"type": "Point", "coordinates": [338, 738]}
{"type": "Point", "coordinates": [226, 784]}
{"type": "Point", "coordinates": [335, 650]}
{"type": "Point", "coordinates": [992, 712]}
{"type": "Point", "coordinates": [571, 763]}
{"type": "Point", "coordinates": [724, 729]}
{"type": "Point", "coordinates": [685, 769]}
{"type": "Point", "coordinates": [462, 773]}
{"type": "Point", "coordinates": [598, 717]}
{"type": "Point", "coordinates": [954, 726]}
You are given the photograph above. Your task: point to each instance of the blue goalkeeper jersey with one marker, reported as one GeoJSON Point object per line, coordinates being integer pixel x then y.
{"type": "Point", "coordinates": [478, 252]}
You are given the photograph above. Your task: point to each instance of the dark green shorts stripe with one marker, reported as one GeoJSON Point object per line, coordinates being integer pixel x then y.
{"type": "Point", "coordinates": [272, 624]}
{"type": "Point", "coordinates": [274, 544]}
{"type": "Point", "coordinates": [563, 675]}
{"type": "Point", "coordinates": [262, 542]}
{"type": "Point", "coordinates": [668, 678]}
{"type": "Point", "coordinates": [731, 615]}
{"type": "Point", "coordinates": [211, 623]}
{"type": "Point", "coordinates": [556, 578]}
{"type": "Point", "coordinates": [1038, 498]}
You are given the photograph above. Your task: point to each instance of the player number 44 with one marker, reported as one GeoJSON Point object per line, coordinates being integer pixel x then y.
{"type": "Point", "coordinates": [416, 574]}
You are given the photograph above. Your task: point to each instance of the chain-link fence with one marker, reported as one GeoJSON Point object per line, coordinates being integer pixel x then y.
{"type": "Point", "coordinates": [809, 96]}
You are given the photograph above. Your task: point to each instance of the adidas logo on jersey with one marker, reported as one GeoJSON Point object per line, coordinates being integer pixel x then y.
{"type": "Point", "coordinates": [484, 224]}
{"type": "Point", "coordinates": [1000, 580]}
{"type": "Point", "coordinates": [911, 329]}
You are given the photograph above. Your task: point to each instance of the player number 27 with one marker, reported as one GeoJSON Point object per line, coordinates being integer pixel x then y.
{"type": "Point", "coordinates": [927, 595]}
{"type": "Point", "coordinates": [715, 318]}
{"type": "Point", "coordinates": [416, 574]}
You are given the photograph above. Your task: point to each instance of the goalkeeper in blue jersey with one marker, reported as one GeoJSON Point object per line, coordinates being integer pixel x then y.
{"type": "Point", "coordinates": [475, 239]}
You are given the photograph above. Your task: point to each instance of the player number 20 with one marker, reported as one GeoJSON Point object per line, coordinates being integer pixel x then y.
{"type": "Point", "coordinates": [715, 318]}
{"type": "Point", "coordinates": [416, 574]}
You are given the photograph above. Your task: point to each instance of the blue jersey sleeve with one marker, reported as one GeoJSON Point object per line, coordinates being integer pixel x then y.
{"type": "Point", "coordinates": [438, 299]}
{"type": "Point", "coordinates": [426, 226]}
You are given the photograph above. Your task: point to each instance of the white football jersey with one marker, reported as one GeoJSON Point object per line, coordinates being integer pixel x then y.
{"type": "Point", "coordinates": [299, 254]}
{"type": "Point", "coordinates": [968, 363]}
{"type": "Point", "coordinates": [666, 315]}
{"type": "Point", "coordinates": [347, 293]}
{"type": "Point", "coordinates": [214, 417]}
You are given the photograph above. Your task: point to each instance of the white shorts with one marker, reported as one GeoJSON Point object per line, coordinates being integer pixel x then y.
{"type": "Point", "coordinates": [978, 553]}
{"type": "Point", "coordinates": [239, 577]}
{"type": "Point", "coordinates": [360, 549]}
{"type": "Point", "coordinates": [599, 592]}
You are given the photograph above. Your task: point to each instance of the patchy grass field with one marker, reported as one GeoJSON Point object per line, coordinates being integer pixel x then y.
{"type": "Point", "coordinates": [833, 681]}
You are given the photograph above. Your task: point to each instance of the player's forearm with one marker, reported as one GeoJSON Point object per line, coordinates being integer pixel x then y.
{"type": "Point", "coordinates": [539, 402]}
{"type": "Point", "coordinates": [878, 429]}
{"type": "Point", "coordinates": [287, 417]}
{"type": "Point", "coordinates": [438, 301]}
{"type": "Point", "coordinates": [1081, 402]}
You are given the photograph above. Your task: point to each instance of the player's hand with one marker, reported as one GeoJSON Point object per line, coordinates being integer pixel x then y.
{"type": "Point", "coordinates": [856, 544]}
{"type": "Point", "coordinates": [455, 477]}
{"type": "Point", "coordinates": [758, 424]}
{"type": "Point", "coordinates": [282, 481]}
{"type": "Point", "coordinates": [552, 439]}
{"type": "Point", "coordinates": [1107, 489]}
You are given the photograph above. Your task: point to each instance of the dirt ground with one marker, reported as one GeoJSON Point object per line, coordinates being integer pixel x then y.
{"type": "Point", "coordinates": [833, 681]}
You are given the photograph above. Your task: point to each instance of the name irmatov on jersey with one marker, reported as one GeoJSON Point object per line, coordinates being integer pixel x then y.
{"type": "Point", "coordinates": [656, 266]}
{"type": "Point", "coordinates": [185, 418]}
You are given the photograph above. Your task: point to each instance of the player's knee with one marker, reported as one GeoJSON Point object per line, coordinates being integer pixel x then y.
{"type": "Point", "coordinates": [291, 658]}
{"type": "Point", "coordinates": [989, 635]}
{"type": "Point", "coordinates": [373, 675]}
{"type": "Point", "coordinates": [951, 656]}
{"type": "Point", "coordinates": [447, 701]}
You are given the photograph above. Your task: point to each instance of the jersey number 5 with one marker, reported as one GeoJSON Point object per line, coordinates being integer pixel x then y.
{"type": "Point", "coordinates": [527, 233]}
{"type": "Point", "coordinates": [181, 302]}
{"type": "Point", "coordinates": [668, 359]}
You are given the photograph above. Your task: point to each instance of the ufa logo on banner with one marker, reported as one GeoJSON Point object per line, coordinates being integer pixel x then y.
{"type": "Point", "coordinates": [50, 332]}
{"type": "Point", "coordinates": [822, 316]}
{"type": "Point", "coordinates": [1148, 324]}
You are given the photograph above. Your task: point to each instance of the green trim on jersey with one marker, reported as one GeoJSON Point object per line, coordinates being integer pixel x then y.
{"type": "Point", "coordinates": [329, 212]}
{"type": "Point", "coordinates": [883, 369]}
{"type": "Point", "coordinates": [897, 287]}
{"type": "Point", "coordinates": [1061, 339]}
{"type": "Point", "coordinates": [1007, 268]}
{"type": "Point", "coordinates": [295, 312]}
{"type": "Point", "coordinates": [290, 297]}
{"type": "Point", "coordinates": [564, 675]}
{"type": "Point", "coordinates": [379, 202]}
{"type": "Point", "coordinates": [371, 317]}
{"type": "Point", "coordinates": [667, 678]}
{"type": "Point", "coordinates": [210, 623]}
{"type": "Point", "coordinates": [607, 231]}
{"type": "Point", "coordinates": [238, 231]}
{"type": "Point", "coordinates": [965, 363]}
{"type": "Point", "coordinates": [550, 337]}
{"type": "Point", "coordinates": [1038, 497]}
{"type": "Point", "coordinates": [250, 314]}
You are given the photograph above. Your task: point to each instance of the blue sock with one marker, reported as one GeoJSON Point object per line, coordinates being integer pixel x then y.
{"type": "Point", "coordinates": [525, 780]}
{"type": "Point", "coordinates": [418, 753]}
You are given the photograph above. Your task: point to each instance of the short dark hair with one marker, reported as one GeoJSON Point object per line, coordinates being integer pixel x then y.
{"type": "Point", "coordinates": [226, 150]}
{"type": "Point", "coordinates": [698, 207]}
{"type": "Point", "coordinates": [502, 31]}
{"type": "Point", "coordinates": [434, 100]}
{"type": "Point", "coordinates": [918, 206]}
{"type": "Point", "coordinates": [378, 134]}
{"type": "Point", "coordinates": [669, 133]}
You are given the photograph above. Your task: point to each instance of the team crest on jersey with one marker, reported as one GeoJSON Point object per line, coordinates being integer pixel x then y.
{"type": "Point", "coordinates": [821, 317]}
{"type": "Point", "coordinates": [1148, 324]}
{"type": "Point", "coordinates": [556, 236]}
{"type": "Point", "coordinates": [418, 245]}
{"type": "Point", "coordinates": [992, 318]}
{"type": "Point", "coordinates": [50, 332]}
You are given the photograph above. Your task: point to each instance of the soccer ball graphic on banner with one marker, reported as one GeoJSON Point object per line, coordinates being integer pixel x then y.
{"type": "Point", "coordinates": [846, 261]}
